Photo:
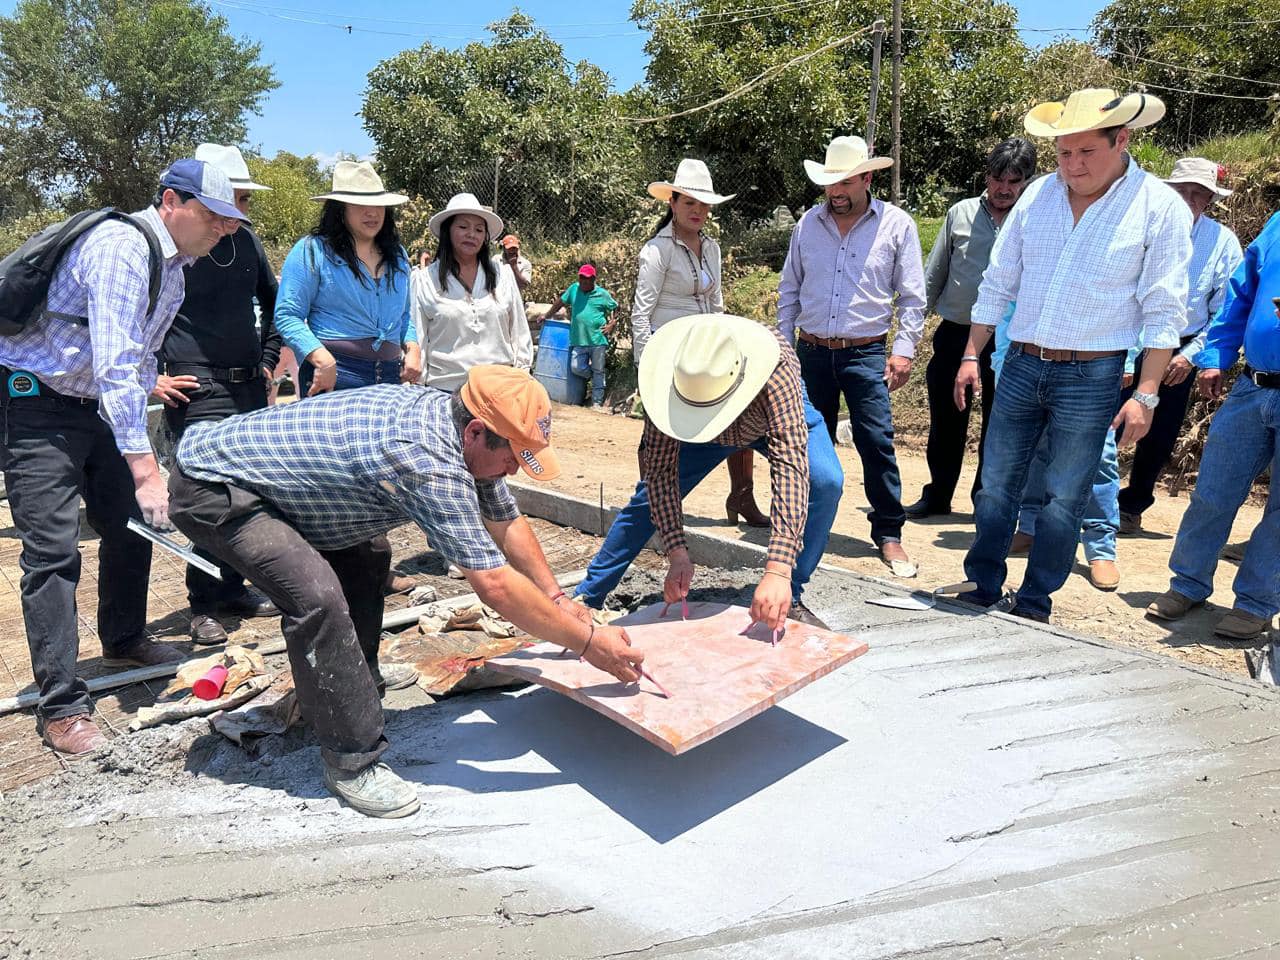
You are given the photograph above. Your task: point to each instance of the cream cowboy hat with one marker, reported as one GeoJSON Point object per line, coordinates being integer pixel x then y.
{"type": "Point", "coordinates": [466, 203]}
{"type": "Point", "coordinates": [846, 157]}
{"type": "Point", "coordinates": [1093, 109]}
{"type": "Point", "coordinates": [230, 162]}
{"type": "Point", "coordinates": [693, 179]}
{"type": "Point", "coordinates": [698, 373]}
{"type": "Point", "coordinates": [360, 184]}
{"type": "Point", "coordinates": [1201, 172]}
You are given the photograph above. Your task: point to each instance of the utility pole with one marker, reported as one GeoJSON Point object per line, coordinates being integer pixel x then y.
{"type": "Point", "coordinates": [895, 120]}
{"type": "Point", "coordinates": [877, 41]}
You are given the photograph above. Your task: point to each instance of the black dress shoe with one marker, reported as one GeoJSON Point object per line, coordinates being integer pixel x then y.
{"type": "Point", "coordinates": [207, 631]}
{"type": "Point", "coordinates": [249, 604]}
{"type": "Point", "coordinates": [1026, 614]}
{"type": "Point", "coordinates": [802, 614]}
{"type": "Point", "coordinates": [922, 508]}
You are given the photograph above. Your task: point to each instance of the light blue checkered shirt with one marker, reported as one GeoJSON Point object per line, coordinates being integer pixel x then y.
{"type": "Point", "coordinates": [1097, 284]}
{"type": "Point", "coordinates": [106, 276]}
{"type": "Point", "coordinates": [349, 465]}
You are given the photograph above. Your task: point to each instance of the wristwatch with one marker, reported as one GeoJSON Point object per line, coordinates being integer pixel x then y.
{"type": "Point", "coordinates": [1148, 400]}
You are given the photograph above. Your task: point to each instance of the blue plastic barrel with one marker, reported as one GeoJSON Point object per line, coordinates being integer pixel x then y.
{"type": "Point", "coordinates": [552, 366]}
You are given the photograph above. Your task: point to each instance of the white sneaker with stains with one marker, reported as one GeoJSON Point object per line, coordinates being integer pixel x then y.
{"type": "Point", "coordinates": [375, 791]}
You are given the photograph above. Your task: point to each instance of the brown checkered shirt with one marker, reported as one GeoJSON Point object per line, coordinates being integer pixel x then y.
{"type": "Point", "coordinates": [777, 415]}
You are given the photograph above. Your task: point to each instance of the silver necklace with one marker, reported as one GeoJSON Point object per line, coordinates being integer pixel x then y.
{"type": "Point", "coordinates": [229, 262]}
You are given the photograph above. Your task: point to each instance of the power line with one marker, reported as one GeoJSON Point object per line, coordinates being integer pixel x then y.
{"type": "Point", "coordinates": [1199, 70]}
{"type": "Point", "coordinates": [754, 81]}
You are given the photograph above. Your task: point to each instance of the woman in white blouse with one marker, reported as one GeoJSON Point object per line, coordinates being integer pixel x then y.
{"type": "Point", "coordinates": [680, 275]}
{"type": "Point", "coordinates": [467, 304]}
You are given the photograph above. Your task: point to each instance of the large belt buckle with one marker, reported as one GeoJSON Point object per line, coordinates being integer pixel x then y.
{"type": "Point", "coordinates": [1042, 356]}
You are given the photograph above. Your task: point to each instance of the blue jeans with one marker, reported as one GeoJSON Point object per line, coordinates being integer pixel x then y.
{"type": "Point", "coordinates": [858, 373]}
{"type": "Point", "coordinates": [588, 362]}
{"type": "Point", "coordinates": [1102, 513]}
{"type": "Point", "coordinates": [1072, 404]}
{"type": "Point", "coordinates": [353, 372]}
{"type": "Point", "coordinates": [1242, 440]}
{"type": "Point", "coordinates": [634, 526]}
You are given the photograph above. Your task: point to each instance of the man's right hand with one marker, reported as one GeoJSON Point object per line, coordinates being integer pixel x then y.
{"type": "Point", "coordinates": [153, 499]}
{"type": "Point", "coordinates": [679, 576]}
{"type": "Point", "coordinates": [610, 651]}
{"type": "Point", "coordinates": [968, 378]}
{"type": "Point", "coordinates": [169, 390]}
{"type": "Point", "coordinates": [1209, 383]}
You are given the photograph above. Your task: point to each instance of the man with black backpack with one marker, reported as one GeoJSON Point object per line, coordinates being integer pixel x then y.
{"type": "Point", "coordinates": [74, 381]}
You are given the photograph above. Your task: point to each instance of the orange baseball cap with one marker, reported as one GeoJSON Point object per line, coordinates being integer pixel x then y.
{"type": "Point", "coordinates": [515, 406]}
{"type": "Point", "coordinates": [510, 240]}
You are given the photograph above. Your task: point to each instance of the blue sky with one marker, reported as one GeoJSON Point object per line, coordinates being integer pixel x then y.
{"type": "Point", "coordinates": [322, 67]}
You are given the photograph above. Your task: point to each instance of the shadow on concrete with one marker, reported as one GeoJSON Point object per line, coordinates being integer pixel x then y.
{"type": "Point", "coordinates": [661, 795]}
{"type": "Point", "coordinates": [954, 539]}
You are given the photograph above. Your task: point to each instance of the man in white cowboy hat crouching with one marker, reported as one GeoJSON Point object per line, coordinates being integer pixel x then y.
{"type": "Point", "coordinates": [714, 384]}
{"type": "Point", "coordinates": [1095, 259]}
{"type": "Point", "coordinates": [853, 262]}
{"type": "Point", "coordinates": [216, 361]}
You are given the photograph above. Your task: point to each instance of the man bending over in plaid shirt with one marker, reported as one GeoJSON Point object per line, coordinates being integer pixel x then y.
{"type": "Point", "coordinates": [713, 384]}
{"type": "Point", "coordinates": [292, 497]}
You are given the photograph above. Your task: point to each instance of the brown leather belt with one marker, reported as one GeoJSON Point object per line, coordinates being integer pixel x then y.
{"type": "Point", "coordinates": [1064, 356]}
{"type": "Point", "coordinates": [840, 343]}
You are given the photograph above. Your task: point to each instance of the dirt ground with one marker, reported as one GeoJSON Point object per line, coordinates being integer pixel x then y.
{"type": "Point", "coordinates": [598, 452]}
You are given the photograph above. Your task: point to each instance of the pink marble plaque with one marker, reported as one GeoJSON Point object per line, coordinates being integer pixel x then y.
{"type": "Point", "coordinates": [717, 676]}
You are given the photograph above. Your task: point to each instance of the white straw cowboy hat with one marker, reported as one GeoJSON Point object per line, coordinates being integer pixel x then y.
{"type": "Point", "coordinates": [360, 184]}
{"type": "Point", "coordinates": [693, 179]}
{"type": "Point", "coordinates": [230, 162]}
{"type": "Point", "coordinates": [1201, 172]}
{"type": "Point", "coordinates": [698, 373]}
{"type": "Point", "coordinates": [466, 203]}
{"type": "Point", "coordinates": [846, 157]}
{"type": "Point", "coordinates": [1093, 109]}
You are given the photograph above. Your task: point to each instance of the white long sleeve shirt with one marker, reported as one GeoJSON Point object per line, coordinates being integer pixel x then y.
{"type": "Point", "coordinates": [671, 283]}
{"type": "Point", "coordinates": [1100, 284]}
{"type": "Point", "coordinates": [460, 328]}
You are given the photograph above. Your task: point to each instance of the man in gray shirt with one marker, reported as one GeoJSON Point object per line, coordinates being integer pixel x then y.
{"type": "Point", "coordinates": [951, 280]}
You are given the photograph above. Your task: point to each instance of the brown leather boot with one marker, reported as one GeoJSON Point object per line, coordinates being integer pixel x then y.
{"type": "Point", "coordinates": [742, 499]}
{"type": "Point", "coordinates": [73, 735]}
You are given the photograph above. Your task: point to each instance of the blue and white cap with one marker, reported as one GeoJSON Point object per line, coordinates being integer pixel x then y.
{"type": "Point", "coordinates": [209, 185]}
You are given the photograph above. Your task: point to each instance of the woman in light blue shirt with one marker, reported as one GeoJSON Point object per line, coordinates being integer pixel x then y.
{"type": "Point", "coordinates": [343, 306]}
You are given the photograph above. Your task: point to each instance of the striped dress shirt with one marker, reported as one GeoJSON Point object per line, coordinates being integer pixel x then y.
{"type": "Point", "coordinates": [777, 415]}
{"type": "Point", "coordinates": [849, 286]}
{"type": "Point", "coordinates": [347, 466]}
{"type": "Point", "coordinates": [106, 276]}
{"type": "Point", "coordinates": [1099, 284]}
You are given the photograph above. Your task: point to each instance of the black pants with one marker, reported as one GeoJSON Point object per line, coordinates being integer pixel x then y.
{"type": "Point", "coordinates": [214, 400]}
{"type": "Point", "coordinates": [57, 451]}
{"type": "Point", "coordinates": [1154, 450]}
{"type": "Point", "coordinates": [331, 602]}
{"type": "Point", "coordinates": [949, 427]}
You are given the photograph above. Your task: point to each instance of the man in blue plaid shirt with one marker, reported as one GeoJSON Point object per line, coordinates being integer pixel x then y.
{"type": "Point", "coordinates": [293, 497]}
{"type": "Point", "coordinates": [73, 387]}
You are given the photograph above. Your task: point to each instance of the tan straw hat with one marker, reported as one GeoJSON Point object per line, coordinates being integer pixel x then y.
{"type": "Point", "coordinates": [1093, 109]}
{"type": "Point", "coordinates": [360, 184]}
{"type": "Point", "coordinates": [692, 179]}
{"type": "Point", "coordinates": [466, 203]}
{"type": "Point", "coordinates": [846, 157]}
{"type": "Point", "coordinates": [231, 162]}
{"type": "Point", "coordinates": [698, 373]}
{"type": "Point", "coordinates": [1201, 172]}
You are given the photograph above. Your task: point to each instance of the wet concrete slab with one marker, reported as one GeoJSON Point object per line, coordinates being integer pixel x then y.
{"type": "Point", "coordinates": [708, 668]}
{"type": "Point", "coordinates": [972, 787]}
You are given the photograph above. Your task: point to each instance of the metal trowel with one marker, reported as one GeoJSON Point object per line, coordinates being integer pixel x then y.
{"type": "Point", "coordinates": [923, 601]}
{"type": "Point", "coordinates": [183, 553]}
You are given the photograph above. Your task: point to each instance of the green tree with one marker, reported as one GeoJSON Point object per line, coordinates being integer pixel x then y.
{"type": "Point", "coordinates": [442, 119]}
{"type": "Point", "coordinates": [1207, 46]}
{"type": "Point", "coordinates": [285, 212]}
{"type": "Point", "coordinates": [98, 95]}
{"type": "Point", "coordinates": [961, 90]}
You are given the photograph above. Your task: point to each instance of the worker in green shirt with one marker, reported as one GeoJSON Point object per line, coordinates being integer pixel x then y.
{"type": "Point", "coordinates": [590, 308]}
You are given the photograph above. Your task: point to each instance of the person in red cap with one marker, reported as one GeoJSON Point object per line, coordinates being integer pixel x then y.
{"type": "Point", "coordinates": [519, 265]}
{"type": "Point", "coordinates": [295, 498]}
{"type": "Point", "coordinates": [591, 307]}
